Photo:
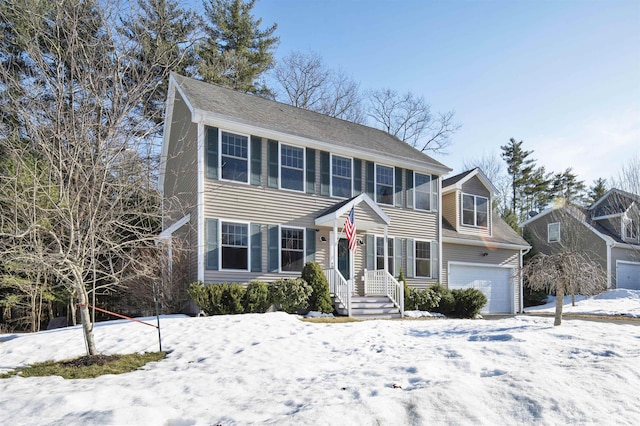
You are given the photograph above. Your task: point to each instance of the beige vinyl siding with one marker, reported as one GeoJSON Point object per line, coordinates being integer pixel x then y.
{"type": "Point", "coordinates": [181, 177]}
{"type": "Point", "coordinates": [449, 208]}
{"type": "Point", "coordinates": [618, 253]}
{"type": "Point", "coordinates": [474, 254]}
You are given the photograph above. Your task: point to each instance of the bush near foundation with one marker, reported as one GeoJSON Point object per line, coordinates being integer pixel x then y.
{"type": "Point", "coordinates": [469, 302]}
{"type": "Point", "coordinates": [320, 299]}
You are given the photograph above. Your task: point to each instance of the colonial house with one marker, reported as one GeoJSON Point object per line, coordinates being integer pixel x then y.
{"type": "Point", "coordinates": [608, 232]}
{"type": "Point", "coordinates": [255, 188]}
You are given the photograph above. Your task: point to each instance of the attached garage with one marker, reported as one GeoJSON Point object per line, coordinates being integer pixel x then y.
{"type": "Point", "coordinates": [628, 275]}
{"type": "Point", "coordinates": [496, 282]}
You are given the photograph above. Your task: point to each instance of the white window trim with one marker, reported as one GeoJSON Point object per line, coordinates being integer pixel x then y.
{"type": "Point", "coordinates": [475, 211]}
{"type": "Point", "coordinates": [548, 232]}
{"type": "Point", "coordinates": [391, 259]}
{"type": "Point", "coordinates": [331, 175]}
{"type": "Point", "coordinates": [220, 156]}
{"type": "Point", "coordinates": [304, 247]}
{"type": "Point", "coordinates": [304, 167]}
{"type": "Point", "coordinates": [220, 220]}
{"type": "Point", "coordinates": [415, 258]}
{"type": "Point", "coordinates": [393, 184]}
{"type": "Point", "coordinates": [430, 209]}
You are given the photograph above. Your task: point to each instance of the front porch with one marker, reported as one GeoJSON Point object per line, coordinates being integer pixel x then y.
{"type": "Point", "coordinates": [359, 288]}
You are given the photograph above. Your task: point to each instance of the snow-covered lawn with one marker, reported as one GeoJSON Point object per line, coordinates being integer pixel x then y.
{"type": "Point", "coordinates": [275, 369]}
{"type": "Point", "coordinates": [619, 302]}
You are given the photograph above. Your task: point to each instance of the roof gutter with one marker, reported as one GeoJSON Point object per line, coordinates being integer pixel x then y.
{"type": "Point", "coordinates": [487, 244]}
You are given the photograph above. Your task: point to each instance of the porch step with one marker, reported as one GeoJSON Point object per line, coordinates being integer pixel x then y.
{"type": "Point", "coordinates": [370, 308]}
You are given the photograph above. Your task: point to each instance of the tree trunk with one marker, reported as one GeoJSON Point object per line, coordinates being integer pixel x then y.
{"type": "Point", "coordinates": [87, 325]}
{"type": "Point", "coordinates": [559, 303]}
{"type": "Point", "coordinates": [72, 310]}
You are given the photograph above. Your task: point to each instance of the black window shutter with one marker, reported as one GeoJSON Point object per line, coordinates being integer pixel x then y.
{"type": "Point", "coordinates": [398, 190]}
{"type": "Point", "coordinates": [212, 152]}
{"type": "Point", "coordinates": [274, 245]}
{"type": "Point", "coordinates": [325, 172]}
{"type": "Point", "coordinates": [311, 245]}
{"type": "Point", "coordinates": [256, 247]}
{"type": "Point", "coordinates": [212, 244]}
{"type": "Point", "coordinates": [311, 171]}
{"type": "Point", "coordinates": [272, 179]}
{"type": "Point", "coordinates": [357, 176]}
{"type": "Point", "coordinates": [256, 160]}
{"type": "Point", "coordinates": [409, 174]}
{"type": "Point", "coordinates": [370, 176]}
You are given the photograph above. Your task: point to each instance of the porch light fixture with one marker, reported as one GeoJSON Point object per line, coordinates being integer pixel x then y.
{"type": "Point", "coordinates": [361, 242]}
{"type": "Point", "coordinates": [485, 254]}
{"type": "Point", "coordinates": [323, 239]}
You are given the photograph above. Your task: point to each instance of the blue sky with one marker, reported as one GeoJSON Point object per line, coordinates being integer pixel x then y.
{"type": "Point", "coordinates": [564, 76]}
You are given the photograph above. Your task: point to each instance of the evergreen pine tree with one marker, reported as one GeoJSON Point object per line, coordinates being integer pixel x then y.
{"type": "Point", "coordinates": [162, 36]}
{"type": "Point", "coordinates": [520, 168]}
{"type": "Point", "coordinates": [596, 191]}
{"type": "Point", "coordinates": [236, 51]}
{"type": "Point", "coordinates": [567, 185]}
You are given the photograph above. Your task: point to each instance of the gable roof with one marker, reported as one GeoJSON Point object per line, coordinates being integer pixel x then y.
{"type": "Point", "coordinates": [614, 202]}
{"type": "Point", "coordinates": [456, 182]}
{"type": "Point", "coordinates": [216, 102]}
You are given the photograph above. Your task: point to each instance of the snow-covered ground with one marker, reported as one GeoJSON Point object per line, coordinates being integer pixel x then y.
{"type": "Point", "coordinates": [619, 302]}
{"type": "Point", "coordinates": [275, 369]}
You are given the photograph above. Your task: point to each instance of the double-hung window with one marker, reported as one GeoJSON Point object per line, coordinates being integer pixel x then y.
{"type": "Point", "coordinates": [475, 210]}
{"type": "Point", "coordinates": [422, 191]}
{"type": "Point", "coordinates": [629, 229]}
{"type": "Point", "coordinates": [380, 254]}
{"type": "Point", "coordinates": [553, 232]}
{"type": "Point", "coordinates": [234, 158]}
{"type": "Point", "coordinates": [291, 167]}
{"type": "Point", "coordinates": [423, 259]}
{"type": "Point", "coordinates": [341, 176]}
{"type": "Point", "coordinates": [235, 245]}
{"type": "Point", "coordinates": [384, 184]}
{"type": "Point", "coordinates": [291, 249]}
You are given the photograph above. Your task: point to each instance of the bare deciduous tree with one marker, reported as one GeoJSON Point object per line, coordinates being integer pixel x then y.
{"type": "Point", "coordinates": [628, 178]}
{"type": "Point", "coordinates": [494, 169]}
{"type": "Point", "coordinates": [305, 81]}
{"type": "Point", "coordinates": [80, 139]}
{"type": "Point", "coordinates": [565, 273]}
{"type": "Point", "coordinates": [409, 118]}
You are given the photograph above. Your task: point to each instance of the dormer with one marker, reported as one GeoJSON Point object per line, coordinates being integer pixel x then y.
{"type": "Point", "coordinates": [466, 202]}
{"type": "Point", "coordinates": [619, 213]}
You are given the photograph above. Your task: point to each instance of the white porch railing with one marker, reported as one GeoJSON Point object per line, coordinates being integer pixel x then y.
{"type": "Point", "coordinates": [339, 287]}
{"type": "Point", "coordinates": [381, 282]}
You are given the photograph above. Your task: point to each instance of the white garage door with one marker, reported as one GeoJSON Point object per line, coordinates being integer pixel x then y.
{"type": "Point", "coordinates": [628, 275]}
{"type": "Point", "coordinates": [493, 281]}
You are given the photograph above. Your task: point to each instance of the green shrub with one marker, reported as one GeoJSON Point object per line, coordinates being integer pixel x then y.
{"type": "Point", "coordinates": [447, 303]}
{"type": "Point", "coordinates": [423, 300]}
{"type": "Point", "coordinates": [291, 294]}
{"type": "Point", "coordinates": [320, 299]}
{"type": "Point", "coordinates": [256, 297]}
{"type": "Point", "coordinates": [218, 299]}
{"type": "Point", "coordinates": [469, 302]}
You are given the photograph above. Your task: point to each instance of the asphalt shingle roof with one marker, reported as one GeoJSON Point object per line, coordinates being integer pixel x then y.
{"type": "Point", "coordinates": [502, 233]}
{"type": "Point", "coordinates": [276, 116]}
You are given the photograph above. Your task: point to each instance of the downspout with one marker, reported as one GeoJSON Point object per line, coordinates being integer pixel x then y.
{"type": "Point", "coordinates": [440, 213]}
{"type": "Point", "coordinates": [200, 201]}
{"type": "Point", "coordinates": [609, 246]}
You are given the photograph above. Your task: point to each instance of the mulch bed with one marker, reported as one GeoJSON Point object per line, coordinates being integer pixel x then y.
{"type": "Point", "coordinates": [88, 360]}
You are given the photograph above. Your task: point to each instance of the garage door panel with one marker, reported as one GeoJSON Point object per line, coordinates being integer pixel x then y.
{"type": "Point", "coordinates": [493, 281]}
{"type": "Point", "coordinates": [628, 275]}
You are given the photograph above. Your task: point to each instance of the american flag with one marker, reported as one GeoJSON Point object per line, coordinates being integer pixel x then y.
{"type": "Point", "coordinates": [350, 230]}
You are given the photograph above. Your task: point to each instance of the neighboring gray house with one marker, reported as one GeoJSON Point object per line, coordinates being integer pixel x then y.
{"type": "Point", "coordinates": [608, 232]}
{"type": "Point", "coordinates": [256, 188]}
{"type": "Point", "coordinates": [479, 249]}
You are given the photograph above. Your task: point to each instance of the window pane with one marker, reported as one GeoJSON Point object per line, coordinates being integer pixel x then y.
{"type": "Point", "coordinates": [422, 182]}
{"type": "Point", "coordinates": [423, 201]}
{"type": "Point", "coordinates": [235, 145]}
{"type": "Point", "coordinates": [467, 202]}
{"type": "Point", "coordinates": [467, 217]}
{"type": "Point", "coordinates": [292, 156]}
{"type": "Point", "coordinates": [482, 205]}
{"type": "Point", "coordinates": [341, 187]}
{"type": "Point", "coordinates": [341, 166]}
{"type": "Point", "coordinates": [234, 258]}
{"type": "Point", "coordinates": [422, 191]}
{"type": "Point", "coordinates": [423, 268]}
{"type": "Point", "coordinates": [235, 151]}
{"type": "Point", "coordinates": [384, 184]}
{"type": "Point", "coordinates": [234, 169]}
{"type": "Point", "coordinates": [234, 234]}
{"type": "Point", "coordinates": [292, 179]}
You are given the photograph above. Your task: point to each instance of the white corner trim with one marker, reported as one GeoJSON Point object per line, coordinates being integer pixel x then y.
{"type": "Point", "coordinates": [200, 201]}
